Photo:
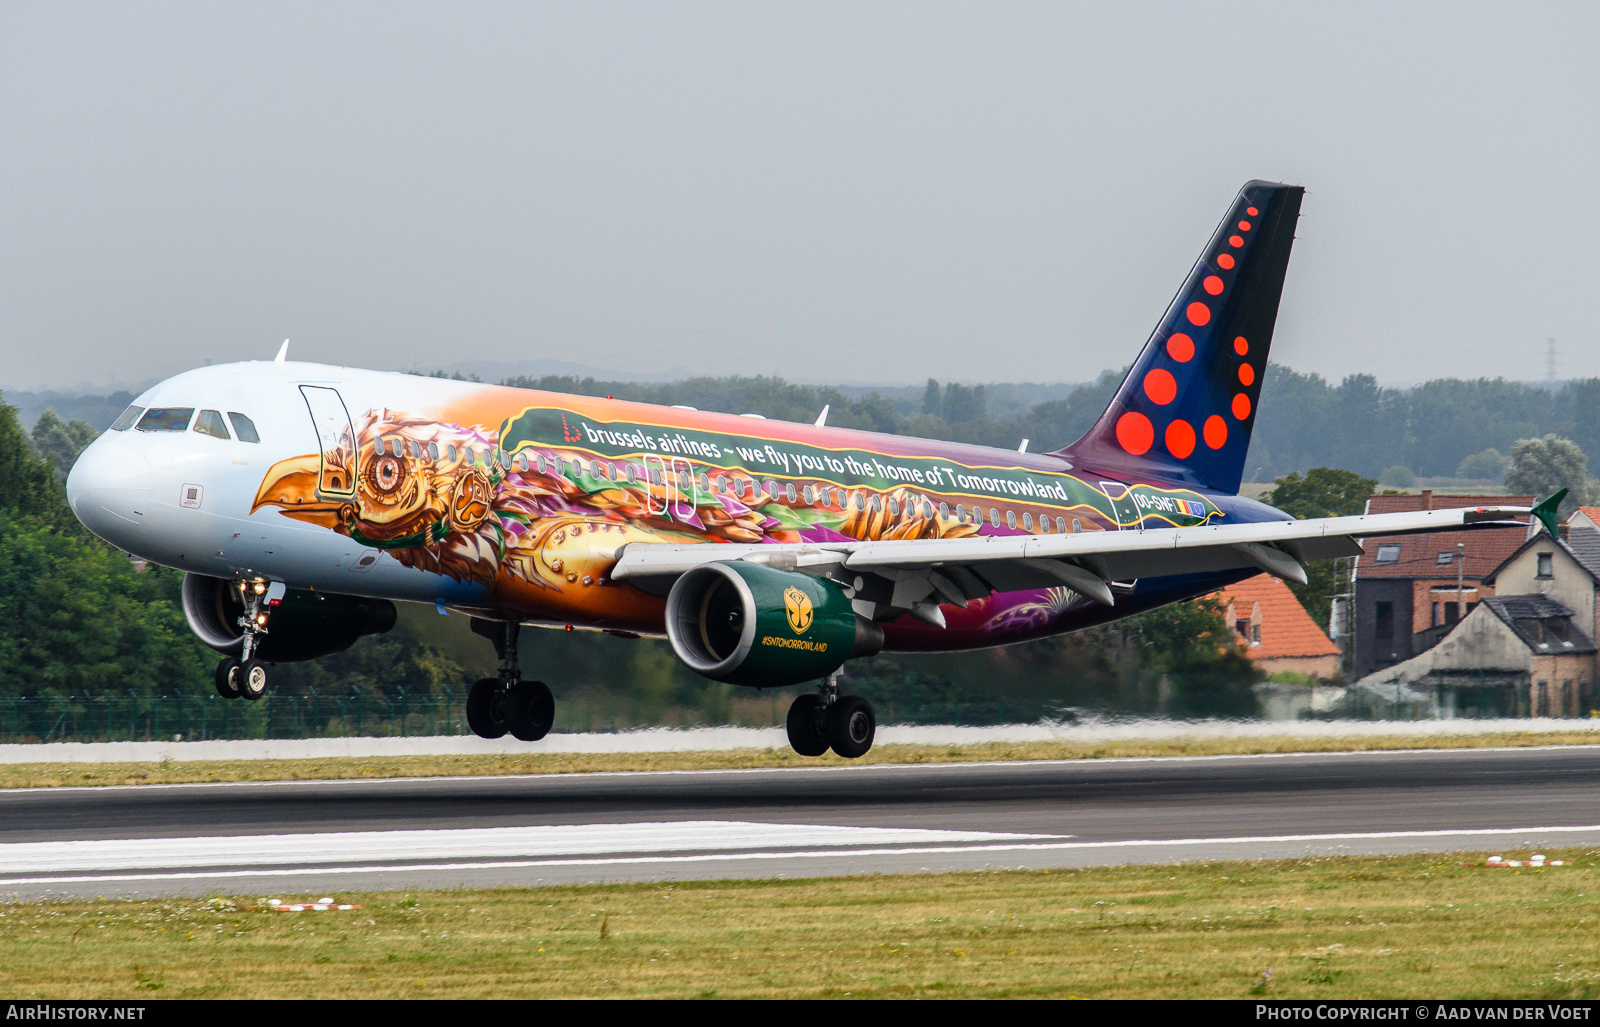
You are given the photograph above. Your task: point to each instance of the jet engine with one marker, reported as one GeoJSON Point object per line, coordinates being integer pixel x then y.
{"type": "Point", "coordinates": [302, 626]}
{"type": "Point", "coordinates": [752, 625]}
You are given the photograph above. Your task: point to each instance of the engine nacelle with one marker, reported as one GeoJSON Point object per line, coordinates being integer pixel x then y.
{"type": "Point", "coordinates": [751, 625]}
{"type": "Point", "coordinates": [303, 626]}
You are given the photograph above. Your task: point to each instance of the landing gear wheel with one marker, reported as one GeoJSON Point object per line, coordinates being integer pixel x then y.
{"type": "Point", "coordinates": [808, 725]}
{"type": "Point", "coordinates": [486, 709]}
{"type": "Point", "coordinates": [251, 679]}
{"type": "Point", "coordinates": [227, 673]}
{"type": "Point", "coordinates": [530, 710]}
{"type": "Point", "coordinates": [851, 726]}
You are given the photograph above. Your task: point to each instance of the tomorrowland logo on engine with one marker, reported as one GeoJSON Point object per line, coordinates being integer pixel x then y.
{"type": "Point", "coordinates": [798, 605]}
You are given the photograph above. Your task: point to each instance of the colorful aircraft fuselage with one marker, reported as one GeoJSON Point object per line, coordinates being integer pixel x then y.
{"type": "Point", "coordinates": [514, 504]}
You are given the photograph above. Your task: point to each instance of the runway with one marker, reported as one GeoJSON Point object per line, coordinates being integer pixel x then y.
{"type": "Point", "coordinates": [331, 838]}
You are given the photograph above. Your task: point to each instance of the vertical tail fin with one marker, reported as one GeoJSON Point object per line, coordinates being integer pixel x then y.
{"type": "Point", "coordinates": [1185, 411]}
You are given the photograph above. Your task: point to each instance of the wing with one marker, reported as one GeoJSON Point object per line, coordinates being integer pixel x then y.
{"type": "Point", "coordinates": [917, 575]}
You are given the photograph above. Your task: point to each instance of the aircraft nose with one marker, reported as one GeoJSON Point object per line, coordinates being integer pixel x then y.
{"type": "Point", "coordinates": [109, 488]}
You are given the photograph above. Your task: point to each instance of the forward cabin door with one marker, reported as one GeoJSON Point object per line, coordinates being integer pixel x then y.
{"type": "Point", "coordinates": [336, 442]}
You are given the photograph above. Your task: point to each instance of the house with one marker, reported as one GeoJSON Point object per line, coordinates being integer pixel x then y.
{"type": "Point", "coordinates": [1566, 570]}
{"type": "Point", "coordinates": [1410, 590]}
{"type": "Point", "coordinates": [1512, 656]}
{"type": "Point", "coordinates": [1275, 630]}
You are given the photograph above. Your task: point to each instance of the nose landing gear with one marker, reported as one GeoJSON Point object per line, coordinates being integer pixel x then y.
{"type": "Point", "coordinates": [507, 703]}
{"type": "Point", "coordinates": [828, 720]}
{"type": "Point", "coordinates": [243, 676]}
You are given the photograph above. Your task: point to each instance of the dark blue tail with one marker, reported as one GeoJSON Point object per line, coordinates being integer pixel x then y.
{"type": "Point", "coordinates": [1185, 411]}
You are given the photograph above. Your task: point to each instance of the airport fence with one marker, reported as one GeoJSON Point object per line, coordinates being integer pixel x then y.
{"type": "Point", "coordinates": [124, 718]}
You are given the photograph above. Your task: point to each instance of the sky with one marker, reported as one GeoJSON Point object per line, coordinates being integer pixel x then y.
{"type": "Point", "coordinates": [847, 192]}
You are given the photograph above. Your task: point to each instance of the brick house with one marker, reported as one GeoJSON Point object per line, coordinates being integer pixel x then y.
{"type": "Point", "coordinates": [1406, 586]}
{"type": "Point", "coordinates": [1275, 630]}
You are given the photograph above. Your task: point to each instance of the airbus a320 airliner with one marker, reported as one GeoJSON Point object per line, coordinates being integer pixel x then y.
{"type": "Point", "coordinates": [301, 500]}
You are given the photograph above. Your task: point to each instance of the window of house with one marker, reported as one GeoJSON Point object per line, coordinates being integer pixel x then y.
{"type": "Point", "coordinates": [1383, 626]}
{"type": "Point", "coordinates": [1452, 612]}
{"type": "Point", "coordinates": [1436, 615]}
{"type": "Point", "coordinates": [1546, 565]}
{"type": "Point", "coordinates": [1241, 628]}
{"type": "Point", "coordinates": [1255, 634]}
{"type": "Point", "coordinates": [1389, 553]}
{"type": "Point", "coordinates": [1444, 557]}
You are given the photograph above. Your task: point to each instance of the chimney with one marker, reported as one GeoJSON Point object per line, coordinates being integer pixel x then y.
{"type": "Point", "coordinates": [1427, 499]}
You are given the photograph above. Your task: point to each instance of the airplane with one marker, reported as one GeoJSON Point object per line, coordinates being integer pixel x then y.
{"type": "Point", "coordinates": [303, 500]}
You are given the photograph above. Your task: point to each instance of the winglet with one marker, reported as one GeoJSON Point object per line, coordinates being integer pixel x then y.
{"type": "Point", "coordinates": [283, 351]}
{"type": "Point", "coordinates": [822, 418]}
{"type": "Point", "coordinates": [1545, 512]}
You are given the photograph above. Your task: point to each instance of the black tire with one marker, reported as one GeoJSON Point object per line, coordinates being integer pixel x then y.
{"type": "Point", "coordinates": [486, 709]}
{"type": "Point", "coordinates": [530, 710]}
{"type": "Point", "coordinates": [851, 726]}
{"type": "Point", "coordinates": [807, 725]}
{"type": "Point", "coordinates": [227, 687]}
{"type": "Point", "coordinates": [251, 679]}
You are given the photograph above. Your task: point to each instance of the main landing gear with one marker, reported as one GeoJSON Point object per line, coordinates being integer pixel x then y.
{"type": "Point", "coordinates": [507, 703]}
{"type": "Point", "coordinates": [244, 676]}
{"type": "Point", "coordinates": [828, 720]}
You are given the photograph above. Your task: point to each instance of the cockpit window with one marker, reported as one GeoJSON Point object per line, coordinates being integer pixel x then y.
{"type": "Point", "coordinates": [129, 416]}
{"type": "Point", "coordinates": [166, 419]}
{"type": "Point", "coordinates": [243, 427]}
{"type": "Point", "coordinates": [210, 423]}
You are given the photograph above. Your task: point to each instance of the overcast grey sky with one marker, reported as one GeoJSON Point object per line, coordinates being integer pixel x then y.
{"type": "Point", "coordinates": [849, 192]}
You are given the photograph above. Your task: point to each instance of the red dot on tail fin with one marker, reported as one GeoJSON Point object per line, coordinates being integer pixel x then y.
{"type": "Point", "coordinates": [1240, 346]}
{"type": "Point", "coordinates": [1136, 434]}
{"type": "Point", "coordinates": [1247, 374]}
{"type": "Point", "coordinates": [1241, 406]}
{"type": "Point", "coordinates": [1180, 439]}
{"type": "Point", "coordinates": [1225, 261]}
{"type": "Point", "coordinates": [1216, 431]}
{"type": "Point", "coordinates": [1213, 285]}
{"type": "Point", "coordinates": [1235, 241]}
{"type": "Point", "coordinates": [1199, 314]}
{"type": "Point", "coordinates": [1180, 347]}
{"type": "Point", "coordinates": [1251, 211]}
{"type": "Point", "coordinates": [1160, 386]}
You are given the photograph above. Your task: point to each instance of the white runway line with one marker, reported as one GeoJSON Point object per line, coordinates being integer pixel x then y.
{"type": "Point", "coordinates": [456, 843]}
{"type": "Point", "coordinates": [1310, 841]}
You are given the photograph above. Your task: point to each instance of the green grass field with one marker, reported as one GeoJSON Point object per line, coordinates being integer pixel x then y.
{"type": "Point", "coordinates": [1347, 927]}
{"type": "Point", "coordinates": [45, 775]}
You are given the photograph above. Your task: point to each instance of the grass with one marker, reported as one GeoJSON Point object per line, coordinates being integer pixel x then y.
{"type": "Point", "coordinates": [1342, 927]}
{"type": "Point", "coordinates": [46, 775]}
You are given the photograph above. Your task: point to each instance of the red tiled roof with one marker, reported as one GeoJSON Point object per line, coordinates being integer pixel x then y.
{"type": "Point", "coordinates": [1591, 512]}
{"type": "Point", "coordinates": [1286, 628]}
{"type": "Point", "coordinates": [1486, 548]}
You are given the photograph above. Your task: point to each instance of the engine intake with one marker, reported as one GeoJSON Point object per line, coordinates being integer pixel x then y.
{"type": "Point", "coordinates": [751, 625]}
{"type": "Point", "coordinates": [303, 626]}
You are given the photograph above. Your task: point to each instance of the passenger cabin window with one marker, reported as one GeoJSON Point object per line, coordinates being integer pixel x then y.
{"type": "Point", "coordinates": [166, 419]}
{"type": "Point", "coordinates": [244, 429]}
{"type": "Point", "coordinates": [126, 421]}
{"type": "Point", "coordinates": [1389, 553]}
{"type": "Point", "coordinates": [210, 423]}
